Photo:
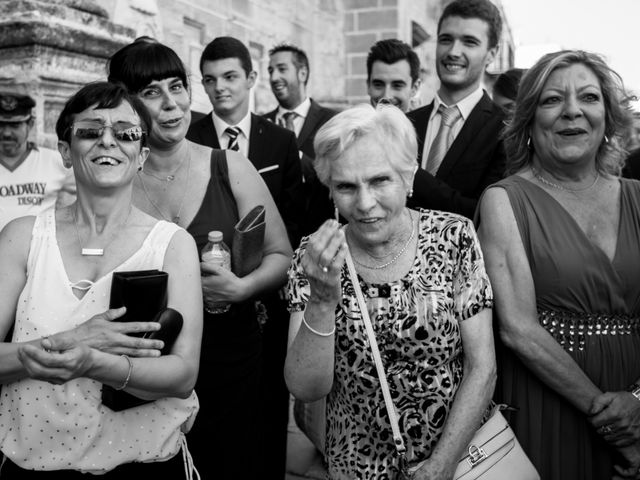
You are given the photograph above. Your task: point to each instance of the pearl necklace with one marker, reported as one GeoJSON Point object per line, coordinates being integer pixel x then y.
{"type": "Point", "coordinates": [176, 218]}
{"type": "Point", "coordinates": [397, 255]}
{"type": "Point", "coordinates": [560, 187]}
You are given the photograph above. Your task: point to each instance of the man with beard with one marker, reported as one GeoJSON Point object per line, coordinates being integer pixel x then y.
{"type": "Point", "coordinates": [289, 75]}
{"type": "Point", "coordinates": [393, 73]}
{"type": "Point", "coordinates": [459, 149]}
{"type": "Point", "coordinates": [31, 178]}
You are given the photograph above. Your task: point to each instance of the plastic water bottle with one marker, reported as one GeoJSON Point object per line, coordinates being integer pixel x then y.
{"type": "Point", "coordinates": [216, 252]}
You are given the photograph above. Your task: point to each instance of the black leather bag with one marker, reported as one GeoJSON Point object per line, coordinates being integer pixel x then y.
{"type": "Point", "coordinates": [248, 242]}
{"type": "Point", "coordinates": [144, 293]}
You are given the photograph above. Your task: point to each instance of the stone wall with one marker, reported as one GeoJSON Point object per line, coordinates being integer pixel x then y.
{"type": "Point", "coordinates": [187, 26]}
{"type": "Point", "coordinates": [49, 49]}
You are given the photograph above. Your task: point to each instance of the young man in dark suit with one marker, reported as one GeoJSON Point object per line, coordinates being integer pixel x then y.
{"type": "Point", "coordinates": [458, 161]}
{"type": "Point", "coordinates": [289, 74]}
{"type": "Point", "coordinates": [228, 77]}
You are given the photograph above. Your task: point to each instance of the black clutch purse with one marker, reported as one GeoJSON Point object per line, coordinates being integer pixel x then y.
{"type": "Point", "coordinates": [248, 242]}
{"type": "Point", "coordinates": [144, 293]}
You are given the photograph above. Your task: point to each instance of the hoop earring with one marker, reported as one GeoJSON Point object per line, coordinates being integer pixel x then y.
{"type": "Point", "coordinates": [606, 140]}
{"type": "Point", "coordinates": [529, 143]}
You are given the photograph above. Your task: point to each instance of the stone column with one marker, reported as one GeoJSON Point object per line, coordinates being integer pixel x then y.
{"type": "Point", "coordinates": [50, 48]}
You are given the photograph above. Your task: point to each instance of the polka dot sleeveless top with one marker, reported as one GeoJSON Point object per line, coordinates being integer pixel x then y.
{"type": "Point", "coordinates": [50, 427]}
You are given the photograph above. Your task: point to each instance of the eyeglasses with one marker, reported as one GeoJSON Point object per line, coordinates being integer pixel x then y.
{"type": "Point", "coordinates": [125, 132]}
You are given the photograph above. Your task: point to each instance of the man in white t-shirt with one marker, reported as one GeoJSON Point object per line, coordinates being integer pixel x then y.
{"type": "Point", "coordinates": [31, 178]}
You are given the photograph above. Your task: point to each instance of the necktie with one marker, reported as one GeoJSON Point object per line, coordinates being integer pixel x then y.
{"type": "Point", "coordinates": [289, 117]}
{"type": "Point", "coordinates": [232, 133]}
{"type": "Point", "coordinates": [442, 142]}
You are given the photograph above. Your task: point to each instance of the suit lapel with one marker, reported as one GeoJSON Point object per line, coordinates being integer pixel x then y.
{"type": "Point", "coordinates": [309, 123]}
{"type": "Point", "coordinates": [207, 132]}
{"type": "Point", "coordinates": [257, 142]}
{"type": "Point", "coordinates": [271, 116]}
{"type": "Point", "coordinates": [471, 132]}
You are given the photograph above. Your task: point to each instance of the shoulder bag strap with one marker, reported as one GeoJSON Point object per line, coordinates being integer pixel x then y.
{"type": "Point", "coordinates": [391, 411]}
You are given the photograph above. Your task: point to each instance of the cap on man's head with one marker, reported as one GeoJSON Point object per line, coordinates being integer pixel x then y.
{"type": "Point", "coordinates": [15, 107]}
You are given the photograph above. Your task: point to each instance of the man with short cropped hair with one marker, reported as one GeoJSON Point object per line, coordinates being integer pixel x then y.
{"type": "Point", "coordinates": [393, 73]}
{"type": "Point", "coordinates": [228, 77]}
{"type": "Point", "coordinates": [31, 178]}
{"type": "Point", "coordinates": [459, 148]}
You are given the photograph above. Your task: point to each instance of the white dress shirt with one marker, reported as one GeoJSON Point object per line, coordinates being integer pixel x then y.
{"type": "Point", "coordinates": [302, 110]}
{"type": "Point", "coordinates": [245, 131]}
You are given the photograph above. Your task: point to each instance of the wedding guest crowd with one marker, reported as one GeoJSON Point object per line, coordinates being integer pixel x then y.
{"type": "Point", "coordinates": [490, 239]}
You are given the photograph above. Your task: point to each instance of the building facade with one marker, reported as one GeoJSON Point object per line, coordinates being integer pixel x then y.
{"type": "Point", "coordinates": [52, 47]}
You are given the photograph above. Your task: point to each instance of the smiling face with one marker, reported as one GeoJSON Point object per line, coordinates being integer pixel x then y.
{"type": "Point", "coordinates": [392, 82]}
{"type": "Point", "coordinates": [228, 87]}
{"type": "Point", "coordinates": [287, 82]}
{"type": "Point", "coordinates": [104, 161]}
{"type": "Point", "coordinates": [569, 122]}
{"type": "Point", "coordinates": [368, 192]}
{"type": "Point", "coordinates": [462, 54]}
{"type": "Point", "coordinates": [169, 106]}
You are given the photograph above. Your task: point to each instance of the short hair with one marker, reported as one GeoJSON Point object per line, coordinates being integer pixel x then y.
{"type": "Point", "coordinates": [481, 9]}
{"type": "Point", "coordinates": [507, 83]}
{"type": "Point", "coordinates": [386, 124]}
{"type": "Point", "coordinates": [610, 155]}
{"type": "Point", "coordinates": [102, 95]}
{"type": "Point", "coordinates": [138, 64]}
{"type": "Point", "coordinates": [298, 56]}
{"type": "Point", "coordinates": [227, 47]}
{"type": "Point", "coordinates": [391, 51]}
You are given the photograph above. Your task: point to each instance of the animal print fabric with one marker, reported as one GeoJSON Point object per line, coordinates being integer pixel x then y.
{"type": "Point", "coordinates": [416, 321]}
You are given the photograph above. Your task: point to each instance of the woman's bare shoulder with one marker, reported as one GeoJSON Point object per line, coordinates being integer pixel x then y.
{"type": "Point", "coordinates": [15, 237]}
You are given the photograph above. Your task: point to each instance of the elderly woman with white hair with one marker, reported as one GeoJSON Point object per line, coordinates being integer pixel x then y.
{"type": "Point", "coordinates": [426, 291]}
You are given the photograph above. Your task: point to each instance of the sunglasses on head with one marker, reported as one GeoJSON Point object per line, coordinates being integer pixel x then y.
{"type": "Point", "coordinates": [125, 132]}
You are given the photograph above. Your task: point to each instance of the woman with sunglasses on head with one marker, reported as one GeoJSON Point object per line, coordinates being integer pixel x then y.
{"type": "Point", "coordinates": [202, 190]}
{"type": "Point", "coordinates": [56, 277]}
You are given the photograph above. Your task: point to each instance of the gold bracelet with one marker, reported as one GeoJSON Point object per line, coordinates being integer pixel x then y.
{"type": "Point", "coordinates": [126, 380]}
{"type": "Point", "coordinates": [313, 330]}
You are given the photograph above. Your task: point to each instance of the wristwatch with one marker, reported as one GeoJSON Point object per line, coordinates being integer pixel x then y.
{"type": "Point", "coordinates": [634, 390]}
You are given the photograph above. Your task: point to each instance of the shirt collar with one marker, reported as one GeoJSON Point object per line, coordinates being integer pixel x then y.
{"type": "Point", "coordinates": [302, 110]}
{"type": "Point", "coordinates": [466, 105]}
{"type": "Point", "coordinates": [220, 125]}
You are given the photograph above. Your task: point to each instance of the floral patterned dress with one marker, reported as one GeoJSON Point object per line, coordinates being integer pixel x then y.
{"type": "Point", "coordinates": [416, 320]}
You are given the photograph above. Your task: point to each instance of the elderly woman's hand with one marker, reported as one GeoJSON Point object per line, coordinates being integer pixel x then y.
{"type": "Point", "coordinates": [102, 333]}
{"type": "Point", "coordinates": [55, 367]}
{"type": "Point", "coordinates": [616, 416]}
{"type": "Point", "coordinates": [219, 284]}
{"type": "Point", "coordinates": [322, 262]}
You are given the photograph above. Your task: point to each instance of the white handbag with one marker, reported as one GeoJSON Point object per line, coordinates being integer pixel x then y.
{"type": "Point", "coordinates": [494, 453]}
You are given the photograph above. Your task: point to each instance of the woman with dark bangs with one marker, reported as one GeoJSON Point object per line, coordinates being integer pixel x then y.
{"type": "Point", "coordinates": [201, 190]}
